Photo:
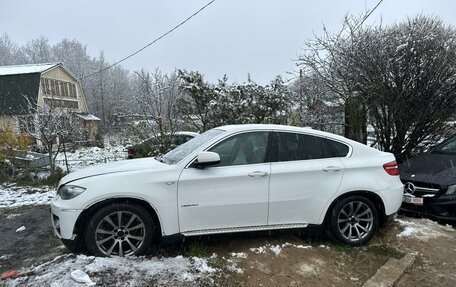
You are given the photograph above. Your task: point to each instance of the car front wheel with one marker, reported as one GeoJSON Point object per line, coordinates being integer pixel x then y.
{"type": "Point", "coordinates": [119, 229]}
{"type": "Point", "coordinates": [354, 220]}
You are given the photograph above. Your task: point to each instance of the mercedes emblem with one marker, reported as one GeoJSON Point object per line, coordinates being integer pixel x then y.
{"type": "Point", "coordinates": [409, 188]}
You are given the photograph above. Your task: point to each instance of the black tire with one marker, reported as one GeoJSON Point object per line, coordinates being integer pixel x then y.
{"type": "Point", "coordinates": [75, 246]}
{"type": "Point", "coordinates": [353, 220]}
{"type": "Point", "coordinates": [104, 235]}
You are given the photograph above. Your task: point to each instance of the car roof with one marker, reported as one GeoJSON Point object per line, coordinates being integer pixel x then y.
{"type": "Point", "coordinates": [308, 130]}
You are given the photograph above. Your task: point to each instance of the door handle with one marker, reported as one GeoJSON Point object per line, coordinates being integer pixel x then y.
{"type": "Point", "coordinates": [258, 174]}
{"type": "Point", "coordinates": [331, 168]}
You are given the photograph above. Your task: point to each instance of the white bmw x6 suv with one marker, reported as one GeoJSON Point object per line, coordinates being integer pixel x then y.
{"type": "Point", "coordinates": [230, 179]}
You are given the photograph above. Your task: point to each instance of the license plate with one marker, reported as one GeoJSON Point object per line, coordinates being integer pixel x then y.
{"type": "Point", "coordinates": [412, 199]}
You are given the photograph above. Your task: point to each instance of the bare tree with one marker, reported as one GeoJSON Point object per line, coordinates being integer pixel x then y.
{"type": "Point", "coordinates": [38, 50]}
{"type": "Point", "coordinates": [156, 95]}
{"type": "Point", "coordinates": [50, 127]}
{"type": "Point", "coordinates": [409, 84]}
{"type": "Point", "coordinates": [401, 79]}
{"type": "Point", "coordinates": [10, 53]}
{"type": "Point", "coordinates": [329, 60]}
{"type": "Point", "coordinates": [317, 106]}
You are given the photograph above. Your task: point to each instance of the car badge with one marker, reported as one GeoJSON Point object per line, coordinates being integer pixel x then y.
{"type": "Point", "coordinates": [409, 188]}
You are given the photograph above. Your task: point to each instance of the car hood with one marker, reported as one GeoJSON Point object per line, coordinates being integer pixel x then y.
{"type": "Point", "coordinates": [431, 168]}
{"type": "Point", "coordinates": [113, 167]}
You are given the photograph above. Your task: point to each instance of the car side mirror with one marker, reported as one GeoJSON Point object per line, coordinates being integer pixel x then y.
{"type": "Point", "coordinates": [207, 158]}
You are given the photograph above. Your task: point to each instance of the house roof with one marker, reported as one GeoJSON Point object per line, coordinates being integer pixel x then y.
{"type": "Point", "coordinates": [19, 84]}
{"type": "Point", "coordinates": [15, 90]}
{"type": "Point", "coordinates": [26, 69]}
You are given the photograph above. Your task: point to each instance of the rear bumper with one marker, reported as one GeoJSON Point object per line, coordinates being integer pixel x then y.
{"type": "Point", "coordinates": [392, 198]}
{"type": "Point", "coordinates": [438, 207]}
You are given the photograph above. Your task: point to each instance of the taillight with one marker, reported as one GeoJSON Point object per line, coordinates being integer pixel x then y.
{"type": "Point", "coordinates": [391, 168]}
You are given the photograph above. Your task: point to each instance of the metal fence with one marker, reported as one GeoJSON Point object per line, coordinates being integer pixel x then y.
{"type": "Point", "coordinates": [87, 162]}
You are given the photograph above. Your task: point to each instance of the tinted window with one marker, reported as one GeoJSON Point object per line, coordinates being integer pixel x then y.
{"type": "Point", "coordinates": [337, 149]}
{"type": "Point", "coordinates": [293, 146]}
{"type": "Point", "coordinates": [246, 148]}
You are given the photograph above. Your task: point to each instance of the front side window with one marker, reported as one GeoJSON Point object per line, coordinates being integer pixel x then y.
{"type": "Point", "coordinates": [241, 149]}
{"type": "Point", "coordinates": [294, 146]}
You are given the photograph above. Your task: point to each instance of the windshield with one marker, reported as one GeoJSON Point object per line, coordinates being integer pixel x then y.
{"type": "Point", "coordinates": [182, 151]}
{"type": "Point", "coordinates": [447, 147]}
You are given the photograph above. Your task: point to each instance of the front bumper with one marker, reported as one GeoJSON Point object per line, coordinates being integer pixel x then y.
{"type": "Point", "coordinates": [438, 207]}
{"type": "Point", "coordinates": [64, 221]}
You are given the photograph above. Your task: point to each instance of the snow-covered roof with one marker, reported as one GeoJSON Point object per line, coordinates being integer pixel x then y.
{"type": "Point", "coordinates": [88, 117]}
{"type": "Point", "coordinates": [26, 69]}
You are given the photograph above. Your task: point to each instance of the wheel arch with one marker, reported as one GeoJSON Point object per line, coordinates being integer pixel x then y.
{"type": "Point", "coordinates": [372, 196]}
{"type": "Point", "coordinates": [91, 209]}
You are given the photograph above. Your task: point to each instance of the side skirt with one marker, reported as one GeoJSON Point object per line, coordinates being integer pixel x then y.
{"type": "Point", "coordinates": [244, 229]}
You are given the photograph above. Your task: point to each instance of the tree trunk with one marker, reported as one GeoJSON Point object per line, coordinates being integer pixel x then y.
{"type": "Point", "coordinates": [355, 120]}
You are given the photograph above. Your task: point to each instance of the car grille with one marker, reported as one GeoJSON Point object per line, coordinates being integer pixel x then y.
{"type": "Point", "coordinates": [421, 188]}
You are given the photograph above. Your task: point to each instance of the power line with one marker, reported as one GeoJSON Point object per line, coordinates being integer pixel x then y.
{"type": "Point", "coordinates": [151, 43]}
{"type": "Point", "coordinates": [367, 15]}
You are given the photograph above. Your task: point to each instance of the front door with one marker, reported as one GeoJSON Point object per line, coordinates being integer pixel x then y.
{"type": "Point", "coordinates": [231, 194]}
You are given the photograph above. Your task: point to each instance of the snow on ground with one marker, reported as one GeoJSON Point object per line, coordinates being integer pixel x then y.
{"type": "Point", "coordinates": [242, 255]}
{"type": "Point", "coordinates": [118, 271]}
{"type": "Point", "coordinates": [236, 257]}
{"type": "Point", "coordinates": [276, 249]}
{"type": "Point", "coordinates": [15, 196]}
{"type": "Point", "coordinates": [87, 156]}
{"type": "Point", "coordinates": [422, 229]}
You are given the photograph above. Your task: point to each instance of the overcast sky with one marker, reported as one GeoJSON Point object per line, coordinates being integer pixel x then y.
{"type": "Point", "coordinates": [233, 37]}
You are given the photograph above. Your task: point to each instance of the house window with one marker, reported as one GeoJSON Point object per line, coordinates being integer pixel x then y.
{"type": "Point", "coordinates": [58, 88]}
{"type": "Point", "coordinates": [47, 87]}
{"type": "Point", "coordinates": [53, 89]}
{"type": "Point", "coordinates": [73, 90]}
{"type": "Point", "coordinates": [63, 89]}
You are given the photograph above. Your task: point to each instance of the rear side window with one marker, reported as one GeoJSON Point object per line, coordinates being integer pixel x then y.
{"type": "Point", "coordinates": [294, 146]}
{"type": "Point", "coordinates": [337, 149]}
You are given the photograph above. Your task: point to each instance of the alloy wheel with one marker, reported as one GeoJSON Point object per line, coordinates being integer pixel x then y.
{"type": "Point", "coordinates": [355, 220]}
{"type": "Point", "coordinates": [120, 233]}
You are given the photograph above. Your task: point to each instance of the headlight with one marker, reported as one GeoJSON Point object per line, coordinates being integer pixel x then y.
{"type": "Point", "coordinates": [70, 191]}
{"type": "Point", "coordinates": [451, 189]}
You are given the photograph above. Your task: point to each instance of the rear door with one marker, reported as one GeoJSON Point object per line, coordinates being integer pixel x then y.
{"type": "Point", "coordinates": [306, 173]}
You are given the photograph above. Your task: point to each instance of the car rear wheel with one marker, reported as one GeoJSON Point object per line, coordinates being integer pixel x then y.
{"type": "Point", "coordinates": [354, 220]}
{"type": "Point", "coordinates": [119, 229]}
